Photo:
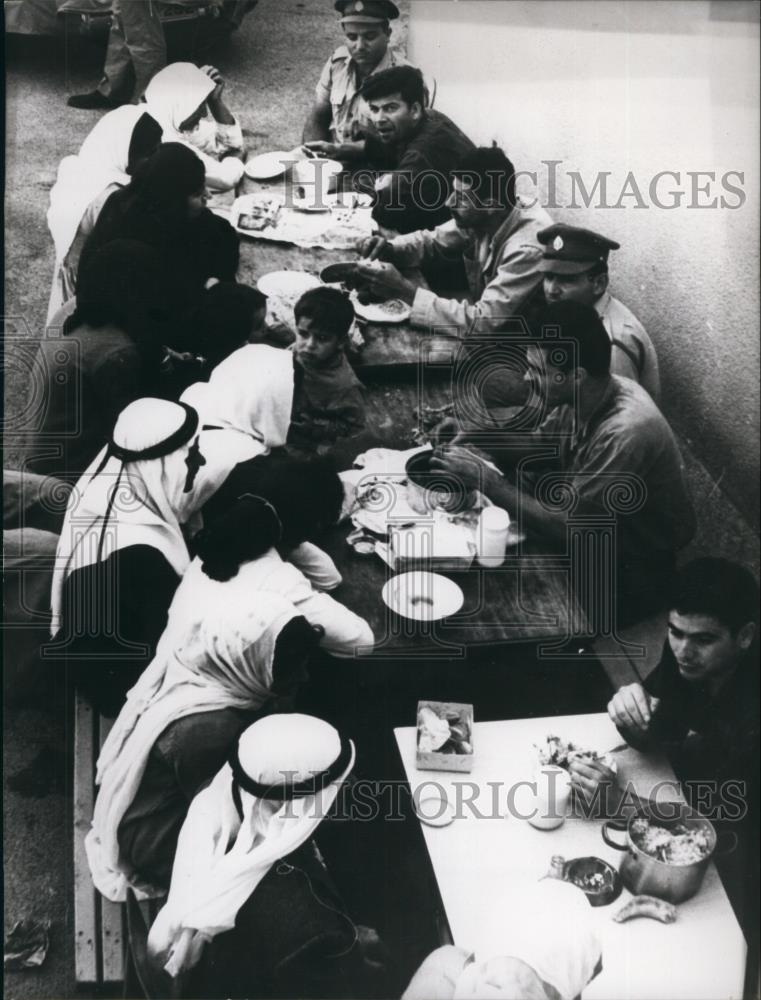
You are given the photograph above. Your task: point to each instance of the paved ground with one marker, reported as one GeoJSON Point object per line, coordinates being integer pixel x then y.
{"type": "Point", "coordinates": [271, 65]}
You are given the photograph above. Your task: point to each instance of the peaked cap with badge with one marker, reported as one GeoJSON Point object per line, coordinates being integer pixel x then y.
{"type": "Point", "coordinates": [572, 250]}
{"type": "Point", "coordinates": [366, 11]}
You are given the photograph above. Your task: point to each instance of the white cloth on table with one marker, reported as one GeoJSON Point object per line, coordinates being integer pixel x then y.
{"type": "Point", "coordinates": [221, 858]}
{"type": "Point", "coordinates": [176, 93]}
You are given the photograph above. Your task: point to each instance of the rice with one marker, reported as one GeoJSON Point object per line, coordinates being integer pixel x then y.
{"type": "Point", "coordinates": [679, 845]}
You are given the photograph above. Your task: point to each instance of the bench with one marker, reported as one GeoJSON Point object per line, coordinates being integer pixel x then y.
{"type": "Point", "coordinates": [100, 926]}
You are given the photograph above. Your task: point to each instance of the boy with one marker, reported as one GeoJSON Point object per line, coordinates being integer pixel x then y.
{"type": "Point", "coordinates": [328, 402]}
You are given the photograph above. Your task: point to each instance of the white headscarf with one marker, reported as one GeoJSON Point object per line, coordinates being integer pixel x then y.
{"type": "Point", "coordinates": [251, 391]}
{"type": "Point", "coordinates": [116, 504]}
{"type": "Point", "coordinates": [549, 927]}
{"type": "Point", "coordinates": [216, 652]}
{"type": "Point", "coordinates": [102, 161]}
{"type": "Point", "coordinates": [220, 857]}
{"type": "Point", "coordinates": [174, 94]}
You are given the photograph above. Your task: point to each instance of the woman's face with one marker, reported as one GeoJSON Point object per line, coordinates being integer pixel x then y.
{"type": "Point", "coordinates": [197, 203]}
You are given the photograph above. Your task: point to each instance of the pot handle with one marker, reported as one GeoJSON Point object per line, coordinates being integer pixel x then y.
{"type": "Point", "coordinates": [732, 841]}
{"type": "Point", "coordinates": [606, 828]}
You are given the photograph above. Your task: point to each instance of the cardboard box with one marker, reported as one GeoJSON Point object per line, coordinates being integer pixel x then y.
{"type": "Point", "coordinates": [456, 753]}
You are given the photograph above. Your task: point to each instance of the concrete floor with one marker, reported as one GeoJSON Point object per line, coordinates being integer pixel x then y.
{"type": "Point", "coordinates": [271, 66]}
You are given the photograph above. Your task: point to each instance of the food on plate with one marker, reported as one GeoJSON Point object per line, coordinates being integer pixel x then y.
{"type": "Point", "coordinates": [646, 906]}
{"type": "Point", "coordinates": [559, 753]}
{"type": "Point", "coordinates": [449, 733]}
{"type": "Point", "coordinates": [676, 845]}
{"type": "Point", "coordinates": [263, 213]}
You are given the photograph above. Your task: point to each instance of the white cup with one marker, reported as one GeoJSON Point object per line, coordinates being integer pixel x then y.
{"type": "Point", "coordinates": [553, 789]}
{"type": "Point", "coordinates": [491, 542]}
{"type": "Point", "coordinates": [317, 178]}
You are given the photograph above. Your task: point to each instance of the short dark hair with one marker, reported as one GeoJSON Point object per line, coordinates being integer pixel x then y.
{"type": "Point", "coordinates": [270, 510]}
{"type": "Point", "coordinates": [489, 173]}
{"type": "Point", "coordinates": [583, 326]}
{"type": "Point", "coordinates": [330, 309]}
{"type": "Point", "coordinates": [716, 588]}
{"type": "Point", "coordinates": [407, 81]}
{"type": "Point", "coordinates": [224, 318]}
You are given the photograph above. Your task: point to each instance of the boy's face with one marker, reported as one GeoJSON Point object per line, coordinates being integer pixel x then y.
{"type": "Point", "coordinates": [704, 648]}
{"type": "Point", "coordinates": [315, 346]}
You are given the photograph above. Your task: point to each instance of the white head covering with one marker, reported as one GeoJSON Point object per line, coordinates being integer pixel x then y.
{"type": "Point", "coordinates": [216, 652]}
{"type": "Point", "coordinates": [251, 391]}
{"type": "Point", "coordinates": [221, 857]}
{"type": "Point", "coordinates": [102, 160]}
{"type": "Point", "coordinates": [174, 94]}
{"type": "Point", "coordinates": [119, 503]}
{"type": "Point", "coordinates": [549, 927]}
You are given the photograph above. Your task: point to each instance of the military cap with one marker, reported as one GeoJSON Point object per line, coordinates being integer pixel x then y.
{"type": "Point", "coordinates": [367, 11]}
{"type": "Point", "coordinates": [571, 250]}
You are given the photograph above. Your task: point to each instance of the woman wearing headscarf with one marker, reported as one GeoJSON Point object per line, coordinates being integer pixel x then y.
{"type": "Point", "coordinates": [240, 630]}
{"type": "Point", "coordinates": [164, 207]}
{"type": "Point", "coordinates": [110, 353]}
{"type": "Point", "coordinates": [540, 943]}
{"type": "Point", "coordinates": [251, 909]}
{"type": "Point", "coordinates": [122, 550]}
{"type": "Point", "coordinates": [187, 102]}
{"type": "Point", "coordinates": [105, 163]}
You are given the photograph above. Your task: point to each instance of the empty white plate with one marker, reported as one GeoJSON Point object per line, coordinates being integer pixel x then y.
{"type": "Point", "coordinates": [289, 284]}
{"type": "Point", "coordinates": [434, 810]}
{"type": "Point", "coordinates": [267, 166]}
{"type": "Point", "coordinates": [421, 596]}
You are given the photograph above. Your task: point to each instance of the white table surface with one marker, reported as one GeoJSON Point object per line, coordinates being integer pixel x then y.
{"type": "Point", "coordinates": [699, 957]}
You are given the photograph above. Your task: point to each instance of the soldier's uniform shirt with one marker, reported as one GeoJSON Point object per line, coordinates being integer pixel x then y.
{"type": "Point", "coordinates": [627, 435]}
{"type": "Point", "coordinates": [339, 84]}
{"type": "Point", "coordinates": [502, 271]}
{"type": "Point", "coordinates": [633, 353]}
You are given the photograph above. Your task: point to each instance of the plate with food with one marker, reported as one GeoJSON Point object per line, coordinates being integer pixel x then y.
{"type": "Point", "coordinates": [341, 271]}
{"type": "Point", "coordinates": [256, 213]}
{"type": "Point", "coordinates": [421, 596]}
{"type": "Point", "coordinates": [599, 881]}
{"type": "Point", "coordinates": [390, 311]}
{"type": "Point", "coordinates": [287, 285]}
{"type": "Point", "coordinates": [268, 166]}
{"type": "Point", "coordinates": [556, 752]}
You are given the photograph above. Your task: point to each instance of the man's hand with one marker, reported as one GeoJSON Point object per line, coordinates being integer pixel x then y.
{"type": "Point", "coordinates": [631, 709]}
{"type": "Point", "coordinates": [376, 248]}
{"type": "Point", "coordinates": [475, 472]}
{"type": "Point", "coordinates": [385, 281]}
{"type": "Point", "coordinates": [329, 149]}
{"type": "Point", "coordinates": [587, 775]}
{"type": "Point", "coordinates": [217, 79]}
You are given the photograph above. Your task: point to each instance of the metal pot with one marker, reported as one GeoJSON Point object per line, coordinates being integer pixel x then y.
{"type": "Point", "coordinates": [429, 490]}
{"type": "Point", "coordinates": [643, 874]}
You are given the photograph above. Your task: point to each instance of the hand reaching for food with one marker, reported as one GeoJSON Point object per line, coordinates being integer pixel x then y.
{"type": "Point", "coordinates": [631, 709]}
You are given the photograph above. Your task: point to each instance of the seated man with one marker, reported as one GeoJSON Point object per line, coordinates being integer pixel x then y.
{"type": "Point", "coordinates": [416, 150]}
{"type": "Point", "coordinates": [491, 231]}
{"type": "Point", "coordinates": [611, 450]}
{"type": "Point", "coordinates": [337, 122]}
{"type": "Point", "coordinates": [701, 701]}
{"type": "Point", "coordinates": [701, 704]}
{"type": "Point", "coordinates": [575, 266]}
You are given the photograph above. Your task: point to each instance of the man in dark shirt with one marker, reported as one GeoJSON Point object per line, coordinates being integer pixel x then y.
{"type": "Point", "coordinates": [701, 704]}
{"type": "Point", "coordinates": [413, 147]}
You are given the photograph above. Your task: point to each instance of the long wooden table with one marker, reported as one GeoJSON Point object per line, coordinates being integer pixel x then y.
{"type": "Point", "coordinates": [386, 345]}
{"type": "Point", "coordinates": [699, 957]}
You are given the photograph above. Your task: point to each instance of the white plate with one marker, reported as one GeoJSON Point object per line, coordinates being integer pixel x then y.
{"type": "Point", "coordinates": [267, 166]}
{"type": "Point", "coordinates": [287, 283]}
{"type": "Point", "coordinates": [434, 810]}
{"type": "Point", "coordinates": [378, 312]}
{"type": "Point", "coordinates": [421, 596]}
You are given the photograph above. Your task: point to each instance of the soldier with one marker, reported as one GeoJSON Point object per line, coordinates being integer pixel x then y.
{"type": "Point", "coordinates": [575, 266]}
